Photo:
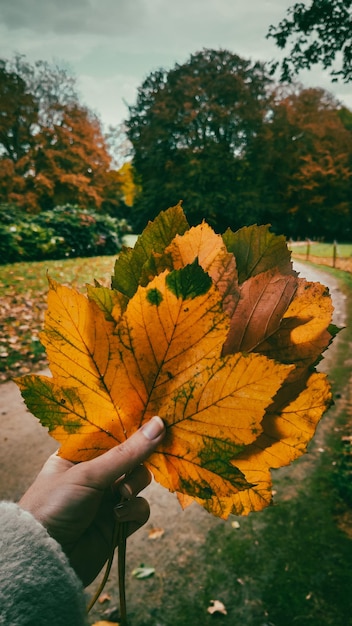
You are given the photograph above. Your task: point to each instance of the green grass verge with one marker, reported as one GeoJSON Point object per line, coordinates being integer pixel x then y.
{"type": "Point", "coordinates": [30, 278]}
{"type": "Point", "coordinates": [343, 250]}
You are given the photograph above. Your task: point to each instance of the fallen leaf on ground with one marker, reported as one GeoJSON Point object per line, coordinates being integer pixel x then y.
{"type": "Point", "coordinates": [143, 571]}
{"type": "Point", "coordinates": [216, 607]}
{"type": "Point", "coordinates": [156, 533]}
{"type": "Point", "coordinates": [104, 597]}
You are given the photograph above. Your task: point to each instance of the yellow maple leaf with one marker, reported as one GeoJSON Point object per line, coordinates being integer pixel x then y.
{"type": "Point", "coordinates": [164, 356]}
{"type": "Point", "coordinates": [220, 340]}
{"type": "Point", "coordinates": [275, 313]}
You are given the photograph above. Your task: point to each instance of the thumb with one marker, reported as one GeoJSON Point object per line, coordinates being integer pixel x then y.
{"type": "Point", "coordinates": [120, 460]}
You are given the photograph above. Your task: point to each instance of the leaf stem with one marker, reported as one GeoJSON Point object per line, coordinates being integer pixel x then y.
{"type": "Point", "coordinates": [119, 539]}
{"type": "Point", "coordinates": [107, 569]}
{"type": "Point", "coordinates": [122, 536]}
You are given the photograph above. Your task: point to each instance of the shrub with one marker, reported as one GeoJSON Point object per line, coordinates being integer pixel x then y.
{"type": "Point", "coordinates": [65, 231]}
{"type": "Point", "coordinates": [25, 241]}
{"type": "Point", "coordinates": [9, 244]}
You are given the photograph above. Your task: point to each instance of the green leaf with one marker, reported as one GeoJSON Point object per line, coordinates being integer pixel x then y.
{"type": "Point", "coordinates": [189, 282]}
{"type": "Point", "coordinates": [154, 239]}
{"type": "Point", "coordinates": [257, 250]}
{"type": "Point", "coordinates": [109, 301]}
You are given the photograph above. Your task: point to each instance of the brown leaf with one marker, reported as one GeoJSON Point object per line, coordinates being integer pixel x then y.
{"type": "Point", "coordinates": [156, 533]}
{"type": "Point", "coordinates": [264, 299]}
{"type": "Point", "coordinates": [104, 597]}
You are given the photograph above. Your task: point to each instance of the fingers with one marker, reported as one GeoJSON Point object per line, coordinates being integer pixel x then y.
{"type": "Point", "coordinates": [52, 468]}
{"type": "Point", "coordinates": [136, 512]}
{"type": "Point", "coordinates": [135, 482]}
{"type": "Point", "coordinates": [88, 555]}
{"type": "Point", "coordinates": [107, 468]}
{"type": "Point", "coordinates": [55, 465]}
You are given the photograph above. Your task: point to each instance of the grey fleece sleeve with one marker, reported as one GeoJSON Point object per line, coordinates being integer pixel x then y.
{"type": "Point", "coordinates": [38, 587]}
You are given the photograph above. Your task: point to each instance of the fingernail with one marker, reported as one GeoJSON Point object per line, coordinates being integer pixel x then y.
{"type": "Point", "coordinates": [121, 511]}
{"type": "Point", "coordinates": [153, 428]}
{"type": "Point", "coordinates": [125, 490]}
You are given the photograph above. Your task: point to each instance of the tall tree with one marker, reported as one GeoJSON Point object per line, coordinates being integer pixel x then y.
{"type": "Point", "coordinates": [70, 160]}
{"type": "Point", "coordinates": [52, 149]}
{"type": "Point", "coordinates": [318, 33]}
{"type": "Point", "coordinates": [18, 115]}
{"type": "Point", "coordinates": [53, 87]}
{"type": "Point", "coordinates": [191, 129]}
{"type": "Point", "coordinates": [306, 175]}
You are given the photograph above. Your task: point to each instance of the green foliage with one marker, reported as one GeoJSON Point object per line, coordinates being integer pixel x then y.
{"type": "Point", "coordinates": [192, 129]}
{"type": "Point", "coordinates": [65, 231]}
{"type": "Point", "coordinates": [212, 133]}
{"type": "Point", "coordinates": [83, 232]}
{"type": "Point", "coordinates": [318, 33]}
{"type": "Point", "coordinates": [52, 149]}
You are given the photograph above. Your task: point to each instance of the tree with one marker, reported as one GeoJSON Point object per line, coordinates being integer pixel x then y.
{"type": "Point", "coordinates": [18, 115]}
{"type": "Point", "coordinates": [70, 160]}
{"type": "Point", "coordinates": [128, 186]}
{"type": "Point", "coordinates": [191, 130]}
{"type": "Point", "coordinates": [306, 173]}
{"type": "Point", "coordinates": [53, 87]}
{"type": "Point", "coordinates": [52, 149]}
{"type": "Point", "coordinates": [319, 33]}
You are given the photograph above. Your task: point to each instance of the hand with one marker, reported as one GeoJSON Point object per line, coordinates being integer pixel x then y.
{"type": "Point", "coordinates": [76, 503]}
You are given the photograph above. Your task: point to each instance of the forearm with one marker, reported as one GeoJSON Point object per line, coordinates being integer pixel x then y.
{"type": "Point", "coordinates": [37, 583]}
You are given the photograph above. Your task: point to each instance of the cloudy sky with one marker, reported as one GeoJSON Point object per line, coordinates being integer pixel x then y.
{"type": "Point", "coordinates": [112, 45]}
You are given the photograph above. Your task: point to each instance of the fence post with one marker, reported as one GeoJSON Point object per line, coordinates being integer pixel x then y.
{"type": "Point", "coordinates": [334, 254]}
{"type": "Point", "coordinates": [308, 249]}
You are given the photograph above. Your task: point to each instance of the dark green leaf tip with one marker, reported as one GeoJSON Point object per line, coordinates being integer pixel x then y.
{"type": "Point", "coordinates": [189, 282]}
{"type": "Point", "coordinates": [154, 296]}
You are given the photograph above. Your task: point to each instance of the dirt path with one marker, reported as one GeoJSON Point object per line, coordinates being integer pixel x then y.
{"type": "Point", "coordinates": [24, 446]}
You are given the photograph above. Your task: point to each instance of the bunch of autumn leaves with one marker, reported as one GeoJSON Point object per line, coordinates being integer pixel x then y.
{"type": "Point", "coordinates": [217, 335]}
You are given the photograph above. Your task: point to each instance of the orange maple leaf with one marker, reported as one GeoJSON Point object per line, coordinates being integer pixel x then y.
{"type": "Point", "coordinates": [164, 356]}
{"type": "Point", "coordinates": [218, 339]}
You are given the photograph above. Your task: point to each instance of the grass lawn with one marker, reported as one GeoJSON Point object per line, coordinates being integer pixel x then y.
{"type": "Point", "coordinates": [337, 255]}
{"type": "Point", "coordinates": [343, 250]}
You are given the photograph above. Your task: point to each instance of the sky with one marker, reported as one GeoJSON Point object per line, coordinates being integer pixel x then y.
{"type": "Point", "coordinates": [112, 45]}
